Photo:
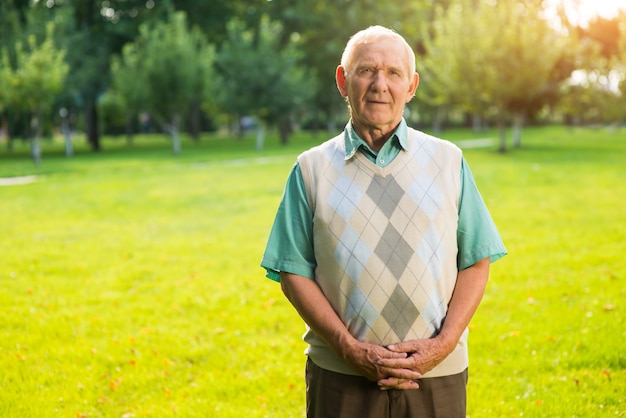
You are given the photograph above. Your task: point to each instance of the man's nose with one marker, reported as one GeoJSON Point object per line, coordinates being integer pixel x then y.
{"type": "Point", "coordinates": [379, 81]}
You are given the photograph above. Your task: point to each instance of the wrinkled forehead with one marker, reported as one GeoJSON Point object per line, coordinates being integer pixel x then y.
{"type": "Point", "coordinates": [372, 36]}
{"type": "Point", "coordinates": [380, 52]}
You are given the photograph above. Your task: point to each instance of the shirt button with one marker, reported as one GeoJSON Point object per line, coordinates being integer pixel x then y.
{"type": "Point", "coordinates": [382, 161]}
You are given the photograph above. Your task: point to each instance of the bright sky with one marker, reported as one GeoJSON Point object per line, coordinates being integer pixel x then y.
{"type": "Point", "coordinates": [580, 12]}
{"type": "Point", "coordinates": [584, 10]}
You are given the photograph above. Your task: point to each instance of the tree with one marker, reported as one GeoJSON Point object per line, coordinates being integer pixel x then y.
{"type": "Point", "coordinates": [621, 67]}
{"type": "Point", "coordinates": [494, 58]}
{"type": "Point", "coordinates": [33, 83]}
{"type": "Point", "coordinates": [13, 15]}
{"type": "Point", "coordinates": [164, 71]}
{"type": "Point", "coordinates": [93, 30]}
{"type": "Point", "coordinates": [452, 63]}
{"type": "Point", "coordinates": [211, 17]}
{"type": "Point", "coordinates": [529, 51]}
{"type": "Point", "coordinates": [600, 53]}
{"type": "Point", "coordinates": [258, 77]}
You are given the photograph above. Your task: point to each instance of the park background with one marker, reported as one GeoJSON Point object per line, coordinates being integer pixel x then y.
{"type": "Point", "coordinates": [143, 150]}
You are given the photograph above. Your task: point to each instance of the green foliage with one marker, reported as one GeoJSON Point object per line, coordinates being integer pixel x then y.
{"type": "Point", "coordinates": [32, 85]}
{"type": "Point", "coordinates": [501, 67]}
{"type": "Point", "coordinates": [131, 282]}
{"type": "Point", "coordinates": [166, 69]}
{"type": "Point", "coordinates": [38, 76]}
{"type": "Point", "coordinates": [259, 76]}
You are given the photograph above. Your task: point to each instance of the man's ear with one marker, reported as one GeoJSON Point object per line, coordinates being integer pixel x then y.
{"type": "Point", "coordinates": [340, 78]}
{"type": "Point", "coordinates": [413, 86]}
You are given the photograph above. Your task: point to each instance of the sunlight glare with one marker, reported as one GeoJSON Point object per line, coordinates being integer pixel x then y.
{"type": "Point", "coordinates": [582, 11]}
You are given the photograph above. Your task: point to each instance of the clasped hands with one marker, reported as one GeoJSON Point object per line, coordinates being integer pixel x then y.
{"type": "Point", "coordinates": [400, 365]}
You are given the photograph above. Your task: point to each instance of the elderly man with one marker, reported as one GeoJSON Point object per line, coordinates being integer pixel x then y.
{"type": "Point", "coordinates": [382, 243]}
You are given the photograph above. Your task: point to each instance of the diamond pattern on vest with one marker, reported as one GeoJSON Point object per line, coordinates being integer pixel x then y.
{"type": "Point", "coordinates": [382, 293]}
{"type": "Point", "coordinates": [394, 251]}
{"type": "Point", "coordinates": [349, 245]}
{"type": "Point", "coordinates": [386, 192]}
{"type": "Point", "coordinates": [345, 197]}
{"type": "Point", "coordinates": [401, 312]}
{"type": "Point", "coordinates": [386, 238]}
{"type": "Point", "coordinates": [362, 312]}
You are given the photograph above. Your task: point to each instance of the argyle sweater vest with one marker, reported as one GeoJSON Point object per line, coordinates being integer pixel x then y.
{"type": "Point", "coordinates": [385, 243]}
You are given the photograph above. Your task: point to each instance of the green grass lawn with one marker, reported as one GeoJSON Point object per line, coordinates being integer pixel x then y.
{"type": "Point", "coordinates": [130, 283]}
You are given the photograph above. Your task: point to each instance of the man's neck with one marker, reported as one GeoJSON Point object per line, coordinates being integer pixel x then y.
{"type": "Point", "coordinates": [374, 137]}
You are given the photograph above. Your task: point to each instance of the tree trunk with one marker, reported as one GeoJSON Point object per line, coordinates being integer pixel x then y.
{"type": "Point", "coordinates": [518, 123]}
{"type": "Point", "coordinates": [260, 137]}
{"type": "Point", "coordinates": [67, 135]}
{"type": "Point", "coordinates": [35, 144]}
{"type": "Point", "coordinates": [477, 125]}
{"type": "Point", "coordinates": [4, 129]}
{"type": "Point", "coordinates": [284, 129]}
{"type": "Point", "coordinates": [331, 124]}
{"type": "Point", "coordinates": [129, 128]}
{"type": "Point", "coordinates": [502, 130]}
{"type": "Point", "coordinates": [195, 116]}
{"type": "Point", "coordinates": [91, 122]}
{"type": "Point", "coordinates": [175, 133]}
{"type": "Point", "coordinates": [438, 121]}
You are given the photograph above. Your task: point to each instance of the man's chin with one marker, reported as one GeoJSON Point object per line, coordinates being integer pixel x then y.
{"type": "Point", "coordinates": [379, 122]}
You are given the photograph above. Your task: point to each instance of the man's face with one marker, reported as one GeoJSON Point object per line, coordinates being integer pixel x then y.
{"type": "Point", "coordinates": [378, 85]}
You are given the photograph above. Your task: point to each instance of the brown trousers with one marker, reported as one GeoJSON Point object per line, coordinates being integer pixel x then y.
{"type": "Point", "coordinates": [336, 395]}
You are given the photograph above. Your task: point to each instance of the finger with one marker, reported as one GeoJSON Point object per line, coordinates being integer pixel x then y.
{"type": "Point", "coordinates": [387, 354]}
{"type": "Point", "coordinates": [408, 385]}
{"type": "Point", "coordinates": [397, 384]}
{"type": "Point", "coordinates": [401, 373]}
{"type": "Point", "coordinates": [404, 347]}
{"type": "Point", "coordinates": [396, 363]}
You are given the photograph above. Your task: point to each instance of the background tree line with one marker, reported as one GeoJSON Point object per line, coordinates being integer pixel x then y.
{"type": "Point", "coordinates": [106, 65]}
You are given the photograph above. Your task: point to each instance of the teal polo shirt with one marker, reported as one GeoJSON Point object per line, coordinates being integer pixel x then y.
{"type": "Point", "coordinates": [290, 244]}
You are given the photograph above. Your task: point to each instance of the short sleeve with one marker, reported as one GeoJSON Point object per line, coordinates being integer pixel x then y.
{"type": "Point", "coordinates": [477, 235]}
{"type": "Point", "coordinates": [290, 244]}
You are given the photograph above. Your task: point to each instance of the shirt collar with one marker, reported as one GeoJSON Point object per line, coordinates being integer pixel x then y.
{"type": "Point", "coordinates": [353, 142]}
